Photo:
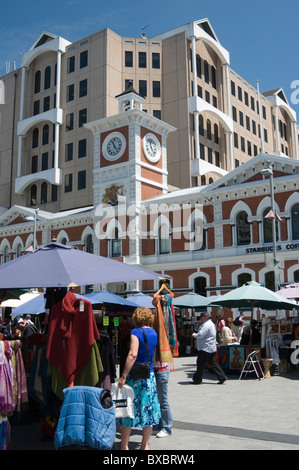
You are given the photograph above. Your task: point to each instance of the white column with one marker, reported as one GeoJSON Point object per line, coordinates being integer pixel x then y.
{"type": "Point", "coordinates": [58, 88]}
{"type": "Point", "coordinates": [20, 138]}
{"type": "Point", "coordinates": [295, 139]}
{"type": "Point", "coordinates": [229, 112]}
{"type": "Point", "coordinates": [277, 129]}
{"type": "Point", "coordinates": [196, 120]}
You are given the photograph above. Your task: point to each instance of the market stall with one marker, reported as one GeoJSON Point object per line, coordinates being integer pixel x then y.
{"type": "Point", "coordinates": [63, 356]}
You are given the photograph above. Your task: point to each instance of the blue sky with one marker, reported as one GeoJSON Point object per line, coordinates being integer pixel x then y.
{"type": "Point", "coordinates": [261, 35]}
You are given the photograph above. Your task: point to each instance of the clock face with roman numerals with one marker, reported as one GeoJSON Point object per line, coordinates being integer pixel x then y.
{"type": "Point", "coordinates": [151, 147]}
{"type": "Point", "coordinates": [114, 146]}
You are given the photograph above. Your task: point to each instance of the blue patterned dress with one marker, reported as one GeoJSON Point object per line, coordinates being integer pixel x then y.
{"type": "Point", "coordinates": [146, 402]}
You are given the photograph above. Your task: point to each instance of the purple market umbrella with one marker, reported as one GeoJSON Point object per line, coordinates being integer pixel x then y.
{"type": "Point", "coordinates": [142, 300]}
{"type": "Point", "coordinates": [37, 305]}
{"type": "Point", "coordinates": [56, 265]}
{"type": "Point", "coordinates": [106, 297]}
{"type": "Point", "coordinates": [291, 291]}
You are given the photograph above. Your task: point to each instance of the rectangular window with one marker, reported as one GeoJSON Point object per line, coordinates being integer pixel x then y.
{"type": "Point", "coordinates": [143, 88]}
{"type": "Point", "coordinates": [71, 64]}
{"type": "Point", "coordinates": [233, 88]}
{"type": "Point", "coordinates": [234, 114]}
{"type": "Point", "coordinates": [46, 103]}
{"type": "Point", "coordinates": [156, 89]}
{"type": "Point", "coordinates": [240, 93]}
{"type": "Point", "coordinates": [83, 59]}
{"type": "Point", "coordinates": [34, 161]}
{"type": "Point", "coordinates": [45, 158]}
{"type": "Point", "coordinates": [69, 122]}
{"type": "Point", "coordinates": [36, 107]}
{"type": "Point", "coordinates": [249, 151]}
{"type": "Point", "coordinates": [142, 60]}
{"type": "Point", "coordinates": [82, 179]}
{"type": "Point", "coordinates": [236, 143]}
{"type": "Point", "coordinates": [242, 144]}
{"type": "Point", "coordinates": [83, 88]}
{"type": "Point", "coordinates": [247, 123]}
{"type": "Point", "coordinates": [54, 192]}
{"type": "Point", "coordinates": [157, 113]}
{"type": "Point", "coordinates": [241, 117]}
{"type": "Point", "coordinates": [128, 59]}
{"type": "Point", "coordinates": [155, 60]}
{"type": "Point", "coordinates": [246, 99]}
{"type": "Point", "coordinates": [68, 183]}
{"type": "Point", "coordinates": [82, 117]}
{"type": "Point", "coordinates": [82, 148]}
{"type": "Point", "coordinates": [69, 152]}
{"type": "Point", "coordinates": [70, 92]}
{"type": "Point", "coordinates": [252, 103]}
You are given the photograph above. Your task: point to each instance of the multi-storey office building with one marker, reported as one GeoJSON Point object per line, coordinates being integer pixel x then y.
{"type": "Point", "coordinates": [59, 113]}
{"type": "Point", "coordinates": [186, 80]}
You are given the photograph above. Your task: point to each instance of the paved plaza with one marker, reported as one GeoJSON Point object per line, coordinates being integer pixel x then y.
{"type": "Point", "coordinates": [246, 414]}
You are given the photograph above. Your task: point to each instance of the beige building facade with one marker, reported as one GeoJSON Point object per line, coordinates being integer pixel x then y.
{"type": "Point", "coordinates": [185, 77]}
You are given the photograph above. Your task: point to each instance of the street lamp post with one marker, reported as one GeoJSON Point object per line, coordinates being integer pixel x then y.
{"type": "Point", "coordinates": [269, 172]}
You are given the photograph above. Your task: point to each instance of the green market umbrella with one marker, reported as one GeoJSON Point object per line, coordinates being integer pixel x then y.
{"type": "Point", "coordinates": [191, 300]}
{"type": "Point", "coordinates": [254, 295]}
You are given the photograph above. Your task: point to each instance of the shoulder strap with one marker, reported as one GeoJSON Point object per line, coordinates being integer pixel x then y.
{"type": "Point", "coordinates": [146, 345]}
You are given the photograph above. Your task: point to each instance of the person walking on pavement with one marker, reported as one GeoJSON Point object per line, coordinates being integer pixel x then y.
{"type": "Point", "coordinates": [206, 350]}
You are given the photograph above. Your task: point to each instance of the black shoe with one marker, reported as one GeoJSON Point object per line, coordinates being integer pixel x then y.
{"type": "Point", "coordinates": [195, 383]}
{"type": "Point", "coordinates": [222, 381]}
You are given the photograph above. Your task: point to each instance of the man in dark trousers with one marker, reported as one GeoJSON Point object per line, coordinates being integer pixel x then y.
{"type": "Point", "coordinates": [206, 350]}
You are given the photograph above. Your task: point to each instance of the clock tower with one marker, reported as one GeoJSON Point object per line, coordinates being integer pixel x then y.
{"type": "Point", "coordinates": [130, 160]}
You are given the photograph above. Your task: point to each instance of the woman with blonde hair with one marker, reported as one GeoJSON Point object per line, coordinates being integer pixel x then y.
{"type": "Point", "coordinates": [146, 402]}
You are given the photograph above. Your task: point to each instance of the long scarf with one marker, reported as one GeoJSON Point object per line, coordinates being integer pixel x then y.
{"type": "Point", "coordinates": [163, 355]}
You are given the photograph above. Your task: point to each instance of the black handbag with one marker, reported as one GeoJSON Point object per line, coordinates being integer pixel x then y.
{"type": "Point", "coordinates": [141, 370]}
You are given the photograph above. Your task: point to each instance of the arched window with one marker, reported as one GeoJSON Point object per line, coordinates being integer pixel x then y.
{"type": "Point", "coordinates": [33, 195]}
{"type": "Point", "coordinates": [63, 241]}
{"type": "Point", "coordinates": [115, 245]}
{"type": "Point", "coordinates": [45, 134]}
{"type": "Point", "coordinates": [206, 72]}
{"type": "Point", "coordinates": [44, 193]}
{"type": "Point", "coordinates": [200, 285]}
{"type": "Point", "coordinates": [35, 138]}
{"type": "Point", "coordinates": [164, 239]}
{"type": "Point", "coordinates": [198, 66]}
{"type": "Point", "coordinates": [37, 81]}
{"type": "Point", "coordinates": [242, 278]}
{"type": "Point", "coordinates": [200, 125]}
{"type": "Point", "coordinates": [296, 276]}
{"type": "Point", "coordinates": [216, 134]}
{"type": "Point", "coordinates": [243, 228]}
{"type": "Point", "coordinates": [270, 280]}
{"type": "Point", "coordinates": [6, 255]}
{"type": "Point", "coordinates": [209, 130]}
{"type": "Point", "coordinates": [47, 81]}
{"type": "Point", "coordinates": [197, 235]}
{"type": "Point", "coordinates": [88, 244]}
{"type": "Point", "coordinates": [295, 222]}
{"type": "Point", "coordinates": [18, 250]}
{"type": "Point", "coordinates": [267, 225]}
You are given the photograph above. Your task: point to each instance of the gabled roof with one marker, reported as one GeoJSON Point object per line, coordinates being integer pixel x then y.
{"type": "Point", "coordinates": [250, 171]}
{"type": "Point", "coordinates": [42, 39]}
{"type": "Point", "coordinates": [15, 213]}
{"type": "Point", "coordinates": [278, 92]}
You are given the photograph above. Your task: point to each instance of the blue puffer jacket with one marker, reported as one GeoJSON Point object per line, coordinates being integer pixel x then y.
{"type": "Point", "coordinates": [87, 418]}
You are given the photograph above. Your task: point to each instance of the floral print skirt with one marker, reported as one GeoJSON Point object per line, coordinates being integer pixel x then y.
{"type": "Point", "coordinates": [146, 403]}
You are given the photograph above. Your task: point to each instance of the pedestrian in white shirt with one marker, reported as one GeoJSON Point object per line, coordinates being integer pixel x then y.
{"type": "Point", "coordinates": [206, 350]}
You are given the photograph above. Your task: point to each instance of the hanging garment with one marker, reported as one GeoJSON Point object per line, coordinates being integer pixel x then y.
{"type": "Point", "coordinates": [6, 379]}
{"type": "Point", "coordinates": [87, 419]}
{"type": "Point", "coordinates": [163, 352]}
{"type": "Point", "coordinates": [72, 331]}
